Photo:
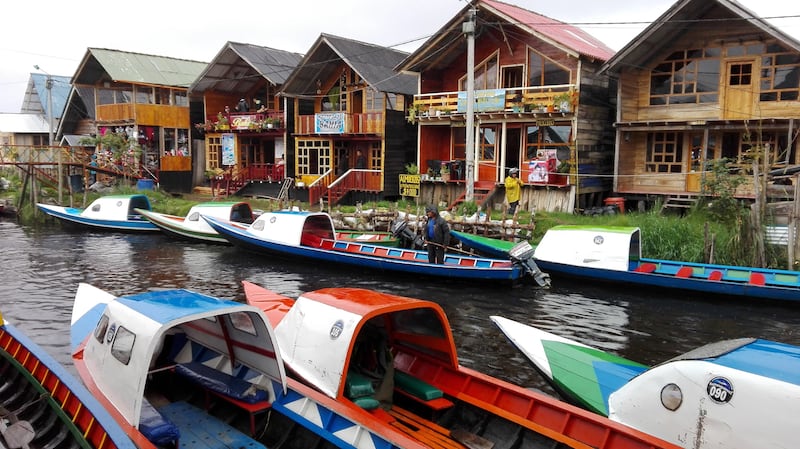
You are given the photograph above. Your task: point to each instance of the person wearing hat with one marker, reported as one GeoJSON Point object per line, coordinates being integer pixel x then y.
{"type": "Point", "coordinates": [242, 106]}
{"type": "Point", "coordinates": [437, 234]}
{"type": "Point", "coordinates": [513, 190]}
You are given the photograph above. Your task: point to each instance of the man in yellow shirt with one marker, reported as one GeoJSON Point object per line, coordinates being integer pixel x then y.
{"type": "Point", "coordinates": [513, 190]}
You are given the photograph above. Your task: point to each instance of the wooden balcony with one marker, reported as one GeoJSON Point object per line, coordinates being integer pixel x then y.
{"type": "Point", "coordinates": [340, 123]}
{"type": "Point", "coordinates": [560, 99]}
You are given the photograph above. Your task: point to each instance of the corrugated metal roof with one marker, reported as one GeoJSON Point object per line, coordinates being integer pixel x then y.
{"type": "Point", "coordinates": [140, 68]}
{"type": "Point", "coordinates": [682, 15]}
{"type": "Point", "coordinates": [23, 123]}
{"type": "Point", "coordinates": [373, 63]}
{"type": "Point", "coordinates": [441, 49]}
{"type": "Point", "coordinates": [36, 96]}
{"type": "Point", "coordinates": [239, 67]}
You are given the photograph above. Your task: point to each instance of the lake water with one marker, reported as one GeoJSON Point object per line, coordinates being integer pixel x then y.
{"type": "Point", "coordinates": [41, 269]}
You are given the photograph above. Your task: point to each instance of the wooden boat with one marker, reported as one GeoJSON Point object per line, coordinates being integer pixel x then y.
{"type": "Point", "coordinates": [742, 393]}
{"type": "Point", "coordinates": [613, 255]}
{"type": "Point", "coordinates": [43, 406]}
{"type": "Point", "coordinates": [391, 362]}
{"type": "Point", "coordinates": [193, 227]}
{"type": "Point", "coordinates": [110, 212]}
{"type": "Point", "coordinates": [487, 246]}
{"type": "Point", "coordinates": [382, 238]}
{"type": "Point", "coordinates": [311, 236]}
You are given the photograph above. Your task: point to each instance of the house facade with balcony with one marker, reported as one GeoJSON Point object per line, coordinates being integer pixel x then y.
{"type": "Point", "coordinates": [707, 81]}
{"type": "Point", "coordinates": [539, 106]}
{"type": "Point", "coordinates": [241, 122]}
{"type": "Point", "coordinates": [350, 137]}
{"type": "Point", "coordinates": [143, 100]}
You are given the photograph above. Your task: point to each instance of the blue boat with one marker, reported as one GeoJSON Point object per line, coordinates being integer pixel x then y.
{"type": "Point", "coordinates": [107, 213]}
{"type": "Point", "coordinates": [311, 236]}
{"type": "Point", "coordinates": [613, 254]}
{"type": "Point", "coordinates": [739, 393]}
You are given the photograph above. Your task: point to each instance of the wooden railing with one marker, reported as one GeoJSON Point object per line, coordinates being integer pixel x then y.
{"type": "Point", "coordinates": [334, 189]}
{"type": "Point", "coordinates": [360, 123]}
{"type": "Point", "coordinates": [517, 99]}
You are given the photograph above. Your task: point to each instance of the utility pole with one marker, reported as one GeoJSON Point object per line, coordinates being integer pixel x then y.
{"type": "Point", "coordinates": [49, 86]}
{"type": "Point", "coordinates": [468, 28]}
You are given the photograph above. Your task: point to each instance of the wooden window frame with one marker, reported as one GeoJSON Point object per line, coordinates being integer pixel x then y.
{"type": "Point", "coordinates": [664, 152]}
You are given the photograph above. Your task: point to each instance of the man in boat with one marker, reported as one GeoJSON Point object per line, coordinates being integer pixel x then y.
{"type": "Point", "coordinates": [437, 234]}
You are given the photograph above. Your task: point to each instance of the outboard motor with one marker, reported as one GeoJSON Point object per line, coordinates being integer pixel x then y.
{"type": "Point", "coordinates": [410, 238]}
{"type": "Point", "coordinates": [522, 252]}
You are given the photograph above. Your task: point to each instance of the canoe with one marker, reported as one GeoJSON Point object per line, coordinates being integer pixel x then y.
{"type": "Point", "coordinates": [109, 213]}
{"type": "Point", "coordinates": [391, 363]}
{"type": "Point", "coordinates": [486, 246]}
{"type": "Point", "coordinates": [310, 236]}
{"type": "Point", "coordinates": [612, 254]}
{"type": "Point", "coordinates": [43, 406]}
{"type": "Point", "coordinates": [193, 227]}
{"type": "Point", "coordinates": [740, 393]}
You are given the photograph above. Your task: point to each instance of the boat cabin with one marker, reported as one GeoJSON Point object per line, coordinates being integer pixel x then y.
{"type": "Point", "coordinates": [117, 207]}
{"type": "Point", "coordinates": [294, 227]}
{"type": "Point", "coordinates": [612, 248]}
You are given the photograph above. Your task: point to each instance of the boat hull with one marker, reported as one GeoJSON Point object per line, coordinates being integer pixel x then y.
{"type": "Point", "coordinates": [73, 217]}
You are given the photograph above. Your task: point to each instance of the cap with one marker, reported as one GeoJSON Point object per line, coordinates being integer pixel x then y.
{"type": "Point", "coordinates": [513, 171]}
{"type": "Point", "coordinates": [431, 208]}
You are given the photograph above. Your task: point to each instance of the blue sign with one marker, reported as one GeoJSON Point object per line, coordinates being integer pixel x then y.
{"type": "Point", "coordinates": [485, 100]}
{"type": "Point", "coordinates": [329, 123]}
{"type": "Point", "coordinates": [228, 153]}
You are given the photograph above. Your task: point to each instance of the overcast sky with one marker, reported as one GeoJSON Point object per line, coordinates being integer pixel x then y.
{"type": "Point", "coordinates": [55, 34]}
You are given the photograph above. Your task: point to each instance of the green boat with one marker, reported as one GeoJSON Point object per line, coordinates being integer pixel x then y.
{"type": "Point", "coordinates": [486, 246]}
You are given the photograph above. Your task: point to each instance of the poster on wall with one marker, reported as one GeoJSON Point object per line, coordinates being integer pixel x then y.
{"type": "Point", "coordinates": [228, 149]}
{"type": "Point", "coordinates": [538, 172]}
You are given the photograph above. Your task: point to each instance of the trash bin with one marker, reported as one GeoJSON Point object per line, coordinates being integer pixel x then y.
{"type": "Point", "coordinates": [616, 201]}
{"type": "Point", "coordinates": [144, 184]}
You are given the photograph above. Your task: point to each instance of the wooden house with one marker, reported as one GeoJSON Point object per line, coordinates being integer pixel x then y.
{"type": "Point", "coordinates": [350, 132]}
{"type": "Point", "coordinates": [142, 99]}
{"type": "Point", "coordinates": [706, 81]}
{"type": "Point", "coordinates": [539, 106]}
{"type": "Point", "coordinates": [242, 122]}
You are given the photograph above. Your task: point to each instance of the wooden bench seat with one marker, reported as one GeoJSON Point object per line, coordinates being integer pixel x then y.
{"type": "Point", "coordinates": [420, 391]}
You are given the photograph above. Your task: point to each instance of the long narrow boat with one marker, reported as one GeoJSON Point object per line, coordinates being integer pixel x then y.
{"type": "Point", "coordinates": [109, 213]}
{"type": "Point", "coordinates": [742, 393]}
{"type": "Point", "coordinates": [391, 363]}
{"type": "Point", "coordinates": [193, 227]}
{"type": "Point", "coordinates": [613, 255]}
{"type": "Point", "coordinates": [310, 236]}
{"type": "Point", "coordinates": [42, 406]}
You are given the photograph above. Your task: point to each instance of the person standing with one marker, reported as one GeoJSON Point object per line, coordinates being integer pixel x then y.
{"type": "Point", "coordinates": [242, 106]}
{"type": "Point", "coordinates": [513, 190]}
{"type": "Point", "coordinates": [437, 234]}
{"type": "Point", "coordinates": [361, 161]}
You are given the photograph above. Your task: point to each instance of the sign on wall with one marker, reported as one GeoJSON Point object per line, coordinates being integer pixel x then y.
{"type": "Point", "coordinates": [485, 100]}
{"type": "Point", "coordinates": [329, 123]}
{"type": "Point", "coordinates": [228, 149]}
{"type": "Point", "coordinates": [409, 185]}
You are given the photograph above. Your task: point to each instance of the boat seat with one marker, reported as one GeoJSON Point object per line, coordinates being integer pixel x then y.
{"type": "Point", "coordinates": [156, 427]}
{"type": "Point", "coordinates": [359, 389]}
{"type": "Point", "coordinates": [684, 272]}
{"type": "Point", "coordinates": [646, 267]}
{"type": "Point", "coordinates": [222, 383]}
{"type": "Point", "coordinates": [757, 279]}
{"type": "Point", "coordinates": [420, 391]}
{"type": "Point", "coordinates": [715, 275]}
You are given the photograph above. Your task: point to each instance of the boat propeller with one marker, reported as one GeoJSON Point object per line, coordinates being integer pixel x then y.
{"type": "Point", "coordinates": [522, 253]}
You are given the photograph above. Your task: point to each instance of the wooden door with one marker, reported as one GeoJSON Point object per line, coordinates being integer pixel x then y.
{"type": "Point", "coordinates": [739, 87]}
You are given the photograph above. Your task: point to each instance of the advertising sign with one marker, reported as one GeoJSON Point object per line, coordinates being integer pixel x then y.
{"type": "Point", "coordinates": [228, 149]}
{"type": "Point", "coordinates": [485, 100]}
{"type": "Point", "coordinates": [409, 185]}
{"type": "Point", "coordinates": [329, 123]}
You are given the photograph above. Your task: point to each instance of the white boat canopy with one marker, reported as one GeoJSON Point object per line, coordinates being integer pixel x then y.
{"type": "Point", "coordinates": [609, 248]}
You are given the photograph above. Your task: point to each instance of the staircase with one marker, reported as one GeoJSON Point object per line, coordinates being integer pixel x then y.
{"type": "Point", "coordinates": [681, 202]}
{"type": "Point", "coordinates": [482, 190]}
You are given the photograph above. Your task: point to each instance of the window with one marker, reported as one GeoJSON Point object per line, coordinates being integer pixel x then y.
{"type": "Point", "coordinates": [664, 152]}
{"type": "Point", "coordinates": [122, 347]}
{"type": "Point", "coordinates": [213, 153]}
{"type": "Point", "coordinates": [144, 95]}
{"type": "Point", "coordinates": [313, 156]}
{"type": "Point", "coordinates": [487, 143]}
{"type": "Point", "coordinates": [686, 76]}
{"type": "Point", "coordinates": [544, 72]}
{"type": "Point", "coordinates": [541, 140]}
{"type": "Point", "coordinates": [485, 75]}
{"type": "Point", "coordinates": [741, 74]}
{"type": "Point", "coordinates": [100, 330]}
{"type": "Point", "coordinates": [780, 74]}
{"type": "Point", "coordinates": [181, 99]}
{"type": "Point", "coordinates": [243, 322]}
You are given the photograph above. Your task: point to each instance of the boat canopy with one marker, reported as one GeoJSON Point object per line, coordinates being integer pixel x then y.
{"type": "Point", "coordinates": [610, 248]}
{"type": "Point", "coordinates": [319, 334]}
{"type": "Point", "coordinates": [116, 207]}
{"type": "Point", "coordinates": [231, 211]}
{"type": "Point", "coordinates": [129, 333]}
{"type": "Point", "coordinates": [293, 227]}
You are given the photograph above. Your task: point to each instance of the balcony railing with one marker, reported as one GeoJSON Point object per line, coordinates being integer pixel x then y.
{"type": "Point", "coordinates": [340, 123]}
{"type": "Point", "coordinates": [539, 99]}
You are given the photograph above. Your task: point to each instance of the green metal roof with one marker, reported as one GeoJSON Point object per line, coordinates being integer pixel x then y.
{"type": "Point", "coordinates": [139, 68]}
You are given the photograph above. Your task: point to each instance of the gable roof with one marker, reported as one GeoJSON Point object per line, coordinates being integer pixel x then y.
{"type": "Point", "coordinates": [447, 43]}
{"type": "Point", "coordinates": [237, 68]}
{"type": "Point", "coordinates": [36, 95]}
{"type": "Point", "coordinates": [100, 64]}
{"type": "Point", "coordinates": [660, 34]}
{"type": "Point", "coordinates": [373, 63]}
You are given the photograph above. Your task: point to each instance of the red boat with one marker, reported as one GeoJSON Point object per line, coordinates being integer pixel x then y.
{"type": "Point", "coordinates": [391, 361]}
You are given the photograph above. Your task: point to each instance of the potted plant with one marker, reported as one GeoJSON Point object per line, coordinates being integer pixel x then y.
{"type": "Point", "coordinates": [412, 168]}
{"type": "Point", "coordinates": [445, 173]}
{"type": "Point", "coordinates": [222, 123]}
{"type": "Point", "coordinates": [413, 113]}
{"type": "Point", "coordinates": [563, 102]}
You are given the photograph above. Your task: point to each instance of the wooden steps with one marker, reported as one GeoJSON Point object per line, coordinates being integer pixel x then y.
{"type": "Point", "coordinates": [482, 190]}
{"type": "Point", "coordinates": [682, 202]}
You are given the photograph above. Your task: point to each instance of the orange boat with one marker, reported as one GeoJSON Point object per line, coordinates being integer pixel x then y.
{"type": "Point", "coordinates": [391, 361]}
